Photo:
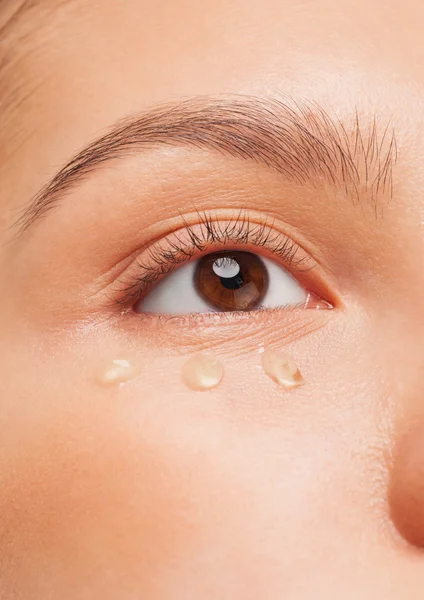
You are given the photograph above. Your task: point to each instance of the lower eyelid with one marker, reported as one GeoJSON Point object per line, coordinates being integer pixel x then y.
{"type": "Point", "coordinates": [233, 333]}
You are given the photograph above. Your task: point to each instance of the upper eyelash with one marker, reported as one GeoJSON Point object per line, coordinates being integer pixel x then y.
{"type": "Point", "coordinates": [239, 230]}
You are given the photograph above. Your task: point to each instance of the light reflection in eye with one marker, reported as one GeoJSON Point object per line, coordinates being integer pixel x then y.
{"type": "Point", "coordinates": [226, 267]}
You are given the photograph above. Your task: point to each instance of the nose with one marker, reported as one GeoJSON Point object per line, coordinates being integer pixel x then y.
{"type": "Point", "coordinates": [407, 486]}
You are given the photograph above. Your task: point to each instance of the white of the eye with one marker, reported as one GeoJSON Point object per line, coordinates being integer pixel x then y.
{"type": "Point", "coordinates": [226, 267]}
{"type": "Point", "coordinates": [176, 293]}
{"type": "Point", "coordinates": [283, 288]}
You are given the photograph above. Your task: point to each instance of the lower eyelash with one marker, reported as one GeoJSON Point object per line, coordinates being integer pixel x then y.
{"type": "Point", "coordinates": [163, 258]}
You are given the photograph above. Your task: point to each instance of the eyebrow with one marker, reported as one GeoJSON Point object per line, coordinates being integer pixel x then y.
{"type": "Point", "coordinates": [300, 140]}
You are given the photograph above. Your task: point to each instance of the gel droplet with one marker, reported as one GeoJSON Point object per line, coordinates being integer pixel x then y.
{"type": "Point", "coordinates": [202, 372]}
{"type": "Point", "coordinates": [282, 369]}
{"type": "Point", "coordinates": [117, 371]}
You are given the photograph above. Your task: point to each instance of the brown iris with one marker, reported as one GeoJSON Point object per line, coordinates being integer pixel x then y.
{"type": "Point", "coordinates": [231, 281]}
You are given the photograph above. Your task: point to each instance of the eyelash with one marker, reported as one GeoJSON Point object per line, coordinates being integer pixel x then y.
{"type": "Point", "coordinates": [209, 233]}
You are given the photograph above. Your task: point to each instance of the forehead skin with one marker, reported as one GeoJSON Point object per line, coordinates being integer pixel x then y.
{"type": "Point", "coordinates": [85, 67]}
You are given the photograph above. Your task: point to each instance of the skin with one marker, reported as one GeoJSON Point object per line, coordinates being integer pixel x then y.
{"type": "Point", "coordinates": [152, 490]}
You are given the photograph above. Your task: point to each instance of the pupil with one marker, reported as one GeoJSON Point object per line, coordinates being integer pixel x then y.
{"type": "Point", "coordinates": [228, 271]}
{"type": "Point", "coordinates": [232, 283]}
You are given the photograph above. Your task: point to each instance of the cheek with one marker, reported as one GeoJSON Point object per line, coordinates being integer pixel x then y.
{"type": "Point", "coordinates": [104, 483]}
{"type": "Point", "coordinates": [156, 475]}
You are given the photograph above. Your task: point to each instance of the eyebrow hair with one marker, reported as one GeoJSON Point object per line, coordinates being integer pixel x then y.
{"type": "Point", "coordinates": [301, 141]}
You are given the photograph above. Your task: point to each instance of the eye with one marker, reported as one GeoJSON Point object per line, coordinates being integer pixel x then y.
{"type": "Point", "coordinates": [225, 281]}
{"type": "Point", "coordinates": [176, 275]}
